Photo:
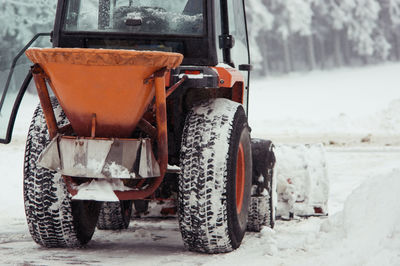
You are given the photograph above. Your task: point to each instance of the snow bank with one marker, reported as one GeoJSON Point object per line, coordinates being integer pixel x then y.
{"type": "Point", "coordinates": [388, 120]}
{"type": "Point", "coordinates": [371, 219]}
{"type": "Point", "coordinates": [302, 180]}
{"type": "Point", "coordinates": [367, 232]}
{"type": "Point", "coordinates": [385, 121]}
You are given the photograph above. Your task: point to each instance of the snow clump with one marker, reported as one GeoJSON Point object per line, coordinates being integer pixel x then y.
{"type": "Point", "coordinates": [369, 223]}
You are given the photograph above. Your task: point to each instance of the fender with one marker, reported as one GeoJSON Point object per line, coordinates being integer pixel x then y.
{"type": "Point", "coordinates": [204, 77]}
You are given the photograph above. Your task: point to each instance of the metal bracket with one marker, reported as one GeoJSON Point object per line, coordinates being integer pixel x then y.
{"type": "Point", "coordinates": [226, 41]}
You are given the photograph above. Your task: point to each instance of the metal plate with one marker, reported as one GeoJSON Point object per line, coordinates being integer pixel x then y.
{"type": "Point", "coordinates": [101, 158]}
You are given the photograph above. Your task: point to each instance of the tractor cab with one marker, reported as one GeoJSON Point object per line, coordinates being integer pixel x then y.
{"type": "Point", "coordinates": [208, 33]}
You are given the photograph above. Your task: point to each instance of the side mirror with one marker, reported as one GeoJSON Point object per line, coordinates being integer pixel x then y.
{"type": "Point", "coordinates": [245, 67]}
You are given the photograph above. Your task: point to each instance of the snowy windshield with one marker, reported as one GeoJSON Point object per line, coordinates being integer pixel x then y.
{"type": "Point", "coordinates": [174, 17]}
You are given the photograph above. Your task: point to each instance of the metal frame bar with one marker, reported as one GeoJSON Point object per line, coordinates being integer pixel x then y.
{"type": "Point", "coordinates": [14, 63]}
{"type": "Point", "coordinates": [249, 59]}
{"type": "Point", "coordinates": [162, 141]}
{"type": "Point", "coordinates": [225, 33]}
{"type": "Point", "coordinates": [14, 112]}
{"type": "Point", "coordinates": [176, 85]}
{"type": "Point", "coordinates": [22, 90]}
{"type": "Point", "coordinates": [40, 80]}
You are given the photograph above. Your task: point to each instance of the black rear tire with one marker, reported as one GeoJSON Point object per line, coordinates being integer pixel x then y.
{"type": "Point", "coordinates": [260, 214]}
{"type": "Point", "coordinates": [212, 210]}
{"type": "Point", "coordinates": [115, 215]}
{"type": "Point", "coordinates": [54, 220]}
{"type": "Point", "coordinates": [262, 207]}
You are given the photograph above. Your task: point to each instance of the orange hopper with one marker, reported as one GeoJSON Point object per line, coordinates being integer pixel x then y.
{"type": "Point", "coordinates": [112, 84]}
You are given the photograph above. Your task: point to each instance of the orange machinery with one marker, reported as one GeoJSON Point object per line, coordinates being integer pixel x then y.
{"type": "Point", "coordinates": [104, 94]}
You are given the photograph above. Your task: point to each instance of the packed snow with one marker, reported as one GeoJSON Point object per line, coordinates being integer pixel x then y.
{"type": "Point", "coordinates": [341, 106]}
{"type": "Point", "coordinates": [355, 112]}
{"type": "Point", "coordinates": [302, 180]}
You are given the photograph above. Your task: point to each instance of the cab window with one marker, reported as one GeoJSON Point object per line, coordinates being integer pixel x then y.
{"type": "Point", "coordinates": [173, 17]}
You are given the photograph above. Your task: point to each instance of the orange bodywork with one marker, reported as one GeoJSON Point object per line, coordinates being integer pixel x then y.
{"type": "Point", "coordinates": [228, 76]}
{"type": "Point", "coordinates": [105, 93]}
{"type": "Point", "coordinates": [231, 78]}
{"type": "Point", "coordinates": [240, 178]}
{"type": "Point", "coordinates": [113, 85]}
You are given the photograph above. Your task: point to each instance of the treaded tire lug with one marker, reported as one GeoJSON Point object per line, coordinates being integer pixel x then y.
{"type": "Point", "coordinates": [54, 220]}
{"type": "Point", "coordinates": [259, 213]}
{"type": "Point", "coordinates": [115, 215]}
{"type": "Point", "coordinates": [262, 207]}
{"type": "Point", "coordinates": [207, 208]}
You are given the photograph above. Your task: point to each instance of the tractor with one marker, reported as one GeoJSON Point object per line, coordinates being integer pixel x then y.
{"type": "Point", "coordinates": [143, 101]}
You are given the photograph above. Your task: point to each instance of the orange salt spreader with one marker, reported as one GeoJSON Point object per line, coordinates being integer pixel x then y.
{"type": "Point", "coordinates": [104, 94]}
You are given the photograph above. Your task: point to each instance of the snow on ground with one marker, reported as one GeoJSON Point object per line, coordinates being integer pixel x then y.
{"type": "Point", "coordinates": [344, 105]}
{"type": "Point", "coordinates": [341, 107]}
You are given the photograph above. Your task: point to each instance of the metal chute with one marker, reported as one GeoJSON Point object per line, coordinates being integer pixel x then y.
{"type": "Point", "coordinates": [101, 158]}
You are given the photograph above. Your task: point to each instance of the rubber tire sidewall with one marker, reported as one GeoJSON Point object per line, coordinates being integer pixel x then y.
{"type": "Point", "coordinates": [207, 213]}
{"type": "Point", "coordinates": [54, 220]}
{"type": "Point", "coordinates": [85, 215]}
{"type": "Point", "coordinates": [237, 222]}
{"type": "Point", "coordinates": [263, 164]}
{"type": "Point", "coordinates": [115, 215]}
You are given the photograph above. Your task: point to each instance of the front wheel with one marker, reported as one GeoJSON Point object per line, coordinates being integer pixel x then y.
{"type": "Point", "coordinates": [215, 179]}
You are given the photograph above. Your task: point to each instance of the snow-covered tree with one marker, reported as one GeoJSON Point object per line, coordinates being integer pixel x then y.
{"type": "Point", "coordinates": [356, 21]}
{"type": "Point", "coordinates": [260, 21]}
{"type": "Point", "coordinates": [291, 16]}
{"type": "Point", "coordinates": [393, 7]}
{"type": "Point", "coordinates": [20, 20]}
{"type": "Point", "coordinates": [389, 25]}
{"type": "Point", "coordinates": [363, 27]}
{"type": "Point", "coordinates": [23, 19]}
{"type": "Point", "coordinates": [282, 33]}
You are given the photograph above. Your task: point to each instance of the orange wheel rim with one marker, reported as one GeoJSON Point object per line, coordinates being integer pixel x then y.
{"type": "Point", "coordinates": [240, 176]}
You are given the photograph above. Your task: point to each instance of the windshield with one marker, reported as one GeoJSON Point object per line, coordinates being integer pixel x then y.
{"type": "Point", "coordinates": [172, 17]}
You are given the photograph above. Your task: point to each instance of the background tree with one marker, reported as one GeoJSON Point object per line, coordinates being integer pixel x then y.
{"type": "Point", "coordinates": [285, 35]}
{"type": "Point", "coordinates": [260, 22]}
{"type": "Point", "coordinates": [20, 20]}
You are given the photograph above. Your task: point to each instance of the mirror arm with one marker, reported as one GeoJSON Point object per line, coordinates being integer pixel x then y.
{"type": "Point", "coordinates": [14, 63]}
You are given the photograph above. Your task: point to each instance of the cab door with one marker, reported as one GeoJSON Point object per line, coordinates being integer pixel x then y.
{"type": "Point", "coordinates": [240, 51]}
{"type": "Point", "coordinates": [231, 32]}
